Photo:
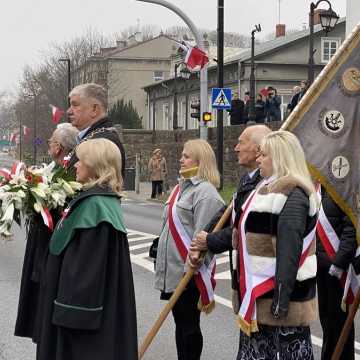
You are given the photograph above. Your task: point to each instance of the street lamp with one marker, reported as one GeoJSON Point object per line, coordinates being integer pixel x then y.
{"type": "Point", "coordinates": [328, 20]}
{"type": "Point", "coordinates": [184, 74]}
{"type": "Point", "coordinates": [67, 60]}
{"type": "Point", "coordinates": [252, 115]}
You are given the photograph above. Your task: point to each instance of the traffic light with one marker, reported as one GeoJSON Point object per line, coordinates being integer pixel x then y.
{"type": "Point", "coordinates": [207, 116]}
{"type": "Point", "coordinates": [195, 114]}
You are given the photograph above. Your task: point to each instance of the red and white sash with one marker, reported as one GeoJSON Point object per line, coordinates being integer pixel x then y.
{"type": "Point", "coordinates": [331, 242]}
{"type": "Point", "coordinates": [255, 283]}
{"type": "Point", "coordinates": [204, 279]}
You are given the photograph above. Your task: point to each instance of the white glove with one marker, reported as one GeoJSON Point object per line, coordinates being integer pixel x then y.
{"type": "Point", "coordinates": [335, 271]}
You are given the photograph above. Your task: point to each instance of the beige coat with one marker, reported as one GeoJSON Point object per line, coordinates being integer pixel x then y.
{"type": "Point", "coordinates": [157, 168]}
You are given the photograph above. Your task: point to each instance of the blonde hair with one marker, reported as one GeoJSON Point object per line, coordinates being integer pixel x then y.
{"type": "Point", "coordinates": [103, 157]}
{"type": "Point", "coordinates": [200, 150]}
{"type": "Point", "coordinates": [288, 158]}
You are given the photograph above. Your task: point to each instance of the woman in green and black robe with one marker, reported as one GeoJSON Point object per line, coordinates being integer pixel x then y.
{"type": "Point", "coordinates": [89, 302]}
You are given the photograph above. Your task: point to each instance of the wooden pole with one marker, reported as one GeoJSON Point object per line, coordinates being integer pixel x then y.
{"type": "Point", "coordinates": [178, 291]}
{"type": "Point", "coordinates": [347, 327]}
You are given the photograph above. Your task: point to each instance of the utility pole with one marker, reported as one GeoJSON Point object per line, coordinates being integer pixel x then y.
{"type": "Point", "coordinates": [252, 115]}
{"type": "Point", "coordinates": [203, 72]}
{"type": "Point", "coordinates": [35, 130]}
{"type": "Point", "coordinates": [175, 104]}
{"type": "Point", "coordinates": [19, 114]}
{"type": "Point", "coordinates": [220, 79]}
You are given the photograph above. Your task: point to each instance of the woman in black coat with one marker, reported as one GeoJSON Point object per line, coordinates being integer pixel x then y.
{"type": "Point", "coordinates": [88, 293]}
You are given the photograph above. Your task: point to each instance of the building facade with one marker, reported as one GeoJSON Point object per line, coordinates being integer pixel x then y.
{"type": "Point", "coordinates": [281, 63]}
{"type": "Point", "coordinates": [126, 68]}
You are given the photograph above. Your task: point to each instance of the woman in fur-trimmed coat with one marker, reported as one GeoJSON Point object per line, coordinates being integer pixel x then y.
{"type": "Point", "coordinates": [277, 256]}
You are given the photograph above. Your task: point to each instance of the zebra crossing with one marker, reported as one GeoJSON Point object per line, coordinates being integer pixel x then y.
{"type": "Point", "coordinates": [140, 242]}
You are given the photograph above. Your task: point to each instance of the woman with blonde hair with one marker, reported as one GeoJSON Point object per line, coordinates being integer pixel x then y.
{"type": "Point", "coordinates": [277, 255]}
{"type": "Point", "coordinates": [192, 203]}
{"type": "Point", "coordinates": [88, 293]}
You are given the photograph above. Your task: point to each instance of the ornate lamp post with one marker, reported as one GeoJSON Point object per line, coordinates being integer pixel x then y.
{"type": "Point", "coordinates": [252, 114]}
{"type": "Point", "coordinates": [328, 20]}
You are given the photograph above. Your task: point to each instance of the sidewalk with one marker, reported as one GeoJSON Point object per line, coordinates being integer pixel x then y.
{"type": "Point", "coordinates": [144, 193]}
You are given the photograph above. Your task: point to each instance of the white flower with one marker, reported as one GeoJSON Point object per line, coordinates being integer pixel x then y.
{"type": "Point", "coordinates": [8, 213]}
{"type": "Point", "coordinates": [75, 185]}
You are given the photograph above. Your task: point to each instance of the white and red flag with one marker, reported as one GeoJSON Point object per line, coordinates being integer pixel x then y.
{"type": "Point", "coordinates": [56, 114]}
{"type": "Point", "coordinates": [194, 57]}
{"type": "Point", "coordinates": [26, 130]}
{"type": "Point", "coordinates": [13, 137]}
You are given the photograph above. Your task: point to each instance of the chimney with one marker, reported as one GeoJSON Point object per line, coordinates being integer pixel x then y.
{"type": "Point", "coordinates": [280, 30]}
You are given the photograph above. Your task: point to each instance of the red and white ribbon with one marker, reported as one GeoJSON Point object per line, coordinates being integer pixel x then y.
{"type": "Point", "coordinates": [16, 168]}
{"type": "Point", "coordinates": [331, 243]}
{"type": "Point", "coordinates": [5, 173]}
{"type": "Point", "coordinates": [204, 279]}
{"type": "Point", "coordinates": [255, 283]}
{"type": "Point", "coordinates": [47, 218]}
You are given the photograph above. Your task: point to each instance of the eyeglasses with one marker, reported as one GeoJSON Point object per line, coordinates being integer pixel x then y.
{"type": "Point", "coordinates": [52, 141]}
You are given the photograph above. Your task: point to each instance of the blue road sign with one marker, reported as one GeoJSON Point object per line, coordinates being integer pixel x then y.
{"type": "Point", "coordinates": [221, 98]}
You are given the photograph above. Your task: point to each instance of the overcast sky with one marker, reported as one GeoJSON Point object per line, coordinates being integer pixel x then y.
{"type": "Point", "coordinates": [27, 27]}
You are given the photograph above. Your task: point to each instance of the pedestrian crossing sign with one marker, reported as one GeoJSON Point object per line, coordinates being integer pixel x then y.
{"type": "Point", "coordinates": [221, 98]}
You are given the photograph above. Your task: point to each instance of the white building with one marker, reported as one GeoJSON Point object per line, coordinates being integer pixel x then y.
{"type": "Point", "coordinates": [352, 14]}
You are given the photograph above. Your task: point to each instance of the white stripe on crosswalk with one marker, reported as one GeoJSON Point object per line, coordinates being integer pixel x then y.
{"type": "Point", "coordinates": [138, 238]}
{"type": "Point", "coordinates": [140, 246]}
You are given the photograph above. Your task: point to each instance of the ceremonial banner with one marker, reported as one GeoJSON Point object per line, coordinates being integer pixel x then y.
{"type": "Point", "coordinates": [327, 123]}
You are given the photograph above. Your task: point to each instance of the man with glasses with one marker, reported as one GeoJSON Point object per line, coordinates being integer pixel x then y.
{"type": "Point", "coordinates": [61, 142]}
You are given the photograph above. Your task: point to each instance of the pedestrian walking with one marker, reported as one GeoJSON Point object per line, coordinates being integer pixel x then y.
{"type": "Point", "coordinates": [158, 172]}
{"type": "Point", "coordinates": [187, 211]}
{"type": "Point", "coordinates": [88, 294]}
{"type": "Point", "coordinates": [61, 142]}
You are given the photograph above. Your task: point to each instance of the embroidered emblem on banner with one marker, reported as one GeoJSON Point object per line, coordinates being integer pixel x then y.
{"type": "Point", "coordinates": [350, 81]}
{"type": "Point", "coordinates": [340, 167]}
{"type": "Point", "coordinates": [332, 123]}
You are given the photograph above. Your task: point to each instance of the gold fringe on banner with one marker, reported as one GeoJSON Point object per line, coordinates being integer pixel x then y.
{"type": "Point", "coordinates": [207, 309]}
{"type": "Point", "coordinates": [246, 327]}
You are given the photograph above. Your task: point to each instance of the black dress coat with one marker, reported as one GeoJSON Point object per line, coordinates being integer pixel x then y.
{"type": "Point", "coordinates": [103, 128]}
{"type": "Point", "coordinates": [29, 309]}
{"type": "Point", "coordinates": [94, 268]}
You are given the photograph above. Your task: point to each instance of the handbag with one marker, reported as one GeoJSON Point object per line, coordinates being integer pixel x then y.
{"type": "Point", "coordinates": [153, 248]}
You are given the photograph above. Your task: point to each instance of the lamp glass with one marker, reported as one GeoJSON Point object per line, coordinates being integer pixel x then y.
{"type": "Point", "coordinates": [328, 19]}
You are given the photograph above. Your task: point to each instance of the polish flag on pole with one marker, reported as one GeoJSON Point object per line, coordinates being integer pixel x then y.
{"type": "Point", "coordinates": [13, 137]}
{"type": "Point", "coordinates": [56, 114]}
{"type": "Point", "coordinates": [26, 131]}
{"type": "Point", "coordinates": [194, 57]}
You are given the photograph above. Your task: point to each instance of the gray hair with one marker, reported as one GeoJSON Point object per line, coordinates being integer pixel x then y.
{"type": "Point", "coordinates": [66, 135]}
{"type": "Point", "coordinates": [258, 132]}
{"type": "Point", "coordinates": [92, 91]}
